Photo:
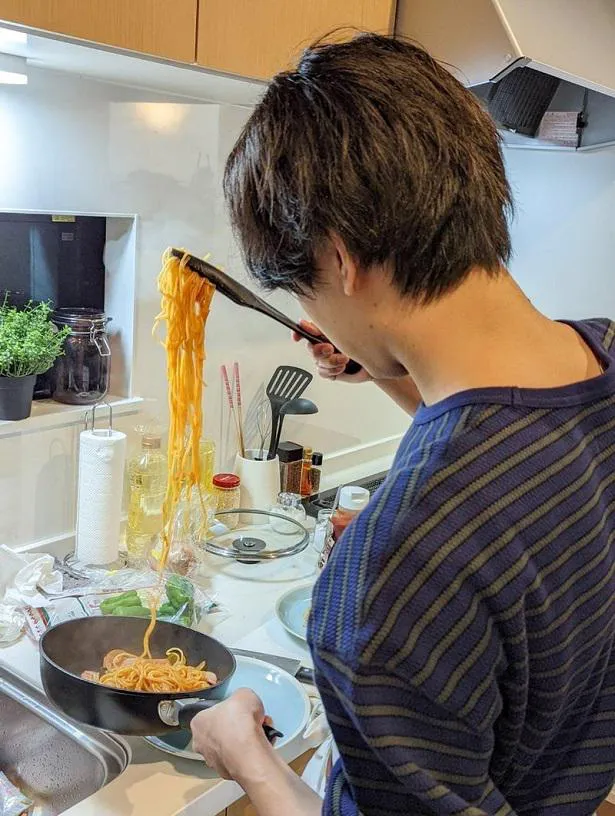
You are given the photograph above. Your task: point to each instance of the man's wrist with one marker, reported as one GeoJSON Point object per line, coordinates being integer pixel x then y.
{"type": "Point", "coordinates": [261, 771]}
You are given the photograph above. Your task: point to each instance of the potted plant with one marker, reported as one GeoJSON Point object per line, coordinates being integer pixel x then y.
{"type": "Point", "coordinates": [29, 343]}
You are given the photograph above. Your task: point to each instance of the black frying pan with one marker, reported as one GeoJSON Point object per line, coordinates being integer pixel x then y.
{"type": "Point", "coordinates": [75, 645]}
{"type": "Point", "coordinates": [242, 296]}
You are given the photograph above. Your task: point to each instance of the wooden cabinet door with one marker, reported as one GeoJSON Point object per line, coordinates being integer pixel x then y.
{"type": "Point", "coordinates": [165, 28]}
{"type": "Point", "coordinates": [258, 38]}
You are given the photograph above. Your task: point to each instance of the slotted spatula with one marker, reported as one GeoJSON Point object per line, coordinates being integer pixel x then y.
{"type": "Point", "coordinates": [242, 296]}
{"type": "Point", "coordinates": [287, 383]}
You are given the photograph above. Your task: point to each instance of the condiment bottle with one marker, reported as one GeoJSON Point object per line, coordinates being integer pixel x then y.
{"type": "Point", "coordinates": [226, 488]}
{"type": "Point", "coordinates": [291, 463]}
{"type": "Point", "coordinates": [315, 473]}
{"type": "Point", "coordinates": [352, 499]}
{"type": "Point", "coordinates": [207, 456]}
{"type": "Point", "coordinates": [147, 481]}
{"type": "Point", "coordinates": [306, 467]}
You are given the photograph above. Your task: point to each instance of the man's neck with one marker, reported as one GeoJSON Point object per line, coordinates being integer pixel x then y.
{"type": "Point", "coordinates": [487, 333]}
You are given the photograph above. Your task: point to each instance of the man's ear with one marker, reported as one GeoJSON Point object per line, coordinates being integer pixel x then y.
{"type": "Point", "coordinates": [347, 267]}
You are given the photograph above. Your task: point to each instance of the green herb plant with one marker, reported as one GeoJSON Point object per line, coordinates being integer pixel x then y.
{"type": "Point", "coordinates": [29, 342]}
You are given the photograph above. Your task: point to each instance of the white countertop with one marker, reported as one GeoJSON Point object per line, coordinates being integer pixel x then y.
{"type": "Point", "coordinates": [157, 783]}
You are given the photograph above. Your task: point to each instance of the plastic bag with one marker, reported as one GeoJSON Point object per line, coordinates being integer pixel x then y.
{"type": "Point", "coordinates": [12, 800]}
{"type": "Point", "coordinates": [178, 601]}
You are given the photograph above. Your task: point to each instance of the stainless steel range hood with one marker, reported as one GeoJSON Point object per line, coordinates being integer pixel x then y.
{"type": "Point", "coordinates": [486, 41]}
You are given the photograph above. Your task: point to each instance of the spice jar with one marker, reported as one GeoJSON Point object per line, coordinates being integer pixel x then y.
{"type": "Point", "coordinates": [226, 492]}
{"type": "Point", "coordinates": [291, 464]}
{"type": "Point", "coordinates": [81, 375]}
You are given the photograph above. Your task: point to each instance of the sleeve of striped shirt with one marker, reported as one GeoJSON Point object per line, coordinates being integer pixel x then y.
{"type": "Point", "coordinates": [400, 752]}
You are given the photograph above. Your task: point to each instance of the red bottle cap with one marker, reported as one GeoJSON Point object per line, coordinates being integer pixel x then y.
{"type": "Point", "coordinates": [227, 481]}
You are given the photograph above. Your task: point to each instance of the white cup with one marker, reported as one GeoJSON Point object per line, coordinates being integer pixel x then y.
{"type": "Point", "coordinates": [260, 484]}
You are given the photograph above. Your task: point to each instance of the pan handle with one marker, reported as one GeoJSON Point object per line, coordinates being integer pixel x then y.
{"type": "Point", "coordinates": [180, 713]}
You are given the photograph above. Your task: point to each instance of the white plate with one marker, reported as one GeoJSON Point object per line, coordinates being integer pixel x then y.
{"type": "Point", "coordinates": [293, 608]}
{"type": "Point", "coordinates": [284, 698]}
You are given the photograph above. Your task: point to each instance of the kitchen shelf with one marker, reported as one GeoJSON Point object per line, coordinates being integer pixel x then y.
{"type": "Point", "coordinates": [48, 414]}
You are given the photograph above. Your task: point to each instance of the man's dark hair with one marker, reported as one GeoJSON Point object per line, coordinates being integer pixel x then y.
{"type": "Point", "coordinates": [374, 140]}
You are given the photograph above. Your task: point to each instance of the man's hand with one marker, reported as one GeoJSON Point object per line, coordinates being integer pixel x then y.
{"type": "Point", "coordinates": [231, 739]}
{"type": "Point", "coordinates": [230, 735]}
{"type": "Point", "coordinates": [329, 362]}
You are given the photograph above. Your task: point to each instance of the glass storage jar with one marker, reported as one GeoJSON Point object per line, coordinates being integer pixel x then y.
{"type": "Point", "coordinates": [226, 489]}
{"type": "Point", "coordinates": [81, 375]}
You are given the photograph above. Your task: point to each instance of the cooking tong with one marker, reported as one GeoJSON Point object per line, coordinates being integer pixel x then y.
{"type": "Point", "coordinates": [242, 296]}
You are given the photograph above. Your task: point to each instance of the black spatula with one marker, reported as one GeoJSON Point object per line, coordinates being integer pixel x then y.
{"type": "Point", "coordinates": [242, 296]}
{"type": "Point", "coordinates": [287, 383]}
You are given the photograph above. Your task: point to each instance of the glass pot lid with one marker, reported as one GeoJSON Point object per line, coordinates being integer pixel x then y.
{"type": "Point", "coordinates": [275, 536]}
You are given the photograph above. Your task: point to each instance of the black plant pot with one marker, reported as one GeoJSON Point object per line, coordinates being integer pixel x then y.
{"type": "Point", "coordinates": [16, 396]}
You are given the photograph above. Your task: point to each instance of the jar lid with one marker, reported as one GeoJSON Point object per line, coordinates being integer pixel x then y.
{"type": "Point", "coordinates": [227, 481]}
{"type": "Point", "coordinates": [290, 452]}
{"type": "Point", "coordinates": [353, 497]}
{"type": "Point", "coordinates": [289, 499]}
{"type": "Point", "coordinates": [317, 458]}
{"type": "Point", "coordinates": [80, 319]}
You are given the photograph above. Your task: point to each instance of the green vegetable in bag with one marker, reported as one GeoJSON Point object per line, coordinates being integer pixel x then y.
{"type": "Point", "coordinates": [130, 598]}
{"type": "Point", "coordinates": [132, 611]}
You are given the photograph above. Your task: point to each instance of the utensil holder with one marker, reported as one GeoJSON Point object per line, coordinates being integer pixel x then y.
{"type": "Point", "coordinates": [260, 484]}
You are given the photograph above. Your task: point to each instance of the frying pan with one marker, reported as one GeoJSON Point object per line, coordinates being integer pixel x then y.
{"type": "Point", "coordinates": [242, 296]}
{"type": "Point", "coordinates": [75, 645]}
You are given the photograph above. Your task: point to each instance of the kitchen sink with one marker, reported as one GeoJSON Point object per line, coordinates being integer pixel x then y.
{"type": "Point", "coordinates": [54, 761]}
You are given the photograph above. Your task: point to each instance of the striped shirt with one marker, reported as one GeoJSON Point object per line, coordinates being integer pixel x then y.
{"type": "Point", "coordinates": [463, 629]}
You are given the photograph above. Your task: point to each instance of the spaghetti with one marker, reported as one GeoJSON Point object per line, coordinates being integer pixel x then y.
{"type": "Point", "coordinates": [126, 671]}
{"type": "Point", "coordinates": [186, 300]}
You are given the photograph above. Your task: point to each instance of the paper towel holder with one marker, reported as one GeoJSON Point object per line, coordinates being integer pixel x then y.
{"type": "Point", "coordinates": [108, 431]}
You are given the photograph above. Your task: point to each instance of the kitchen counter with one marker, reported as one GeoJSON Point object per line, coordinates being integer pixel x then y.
{"type": "Point", "coordinates": [157, 783]}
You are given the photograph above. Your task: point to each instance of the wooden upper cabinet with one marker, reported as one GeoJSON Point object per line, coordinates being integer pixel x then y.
{"type": "Point", "coordinates": [164, 28]}
{"type": "Point", "coordinates": [258, 38]}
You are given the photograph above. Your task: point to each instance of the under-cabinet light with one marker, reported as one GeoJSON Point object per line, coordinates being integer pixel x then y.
{"type": "Point", "coordinates": [13, 70]}
{"type": "Point", "coordinates": [9, 38]}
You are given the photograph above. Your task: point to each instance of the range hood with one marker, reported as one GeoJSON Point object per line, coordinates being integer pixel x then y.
{"type": "Point", "coordinates": [556, 57]}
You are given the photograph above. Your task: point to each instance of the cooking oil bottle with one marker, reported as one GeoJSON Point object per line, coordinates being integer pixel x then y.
{"type": "Point", "coordinates": [207, 455]}
{"type": "Point", "coordinates": [147, 482]}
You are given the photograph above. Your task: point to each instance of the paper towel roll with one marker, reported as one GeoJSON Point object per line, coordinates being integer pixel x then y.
{"type": "Point", "coordinates": [99, 496]}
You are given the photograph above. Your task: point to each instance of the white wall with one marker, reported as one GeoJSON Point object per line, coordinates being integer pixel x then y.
{"type": "Point", "coordinates": [564, 231]}
{"type": "Point", "coordinates": [69, 144]}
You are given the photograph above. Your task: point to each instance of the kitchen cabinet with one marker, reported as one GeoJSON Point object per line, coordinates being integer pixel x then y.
{"type": "Point", "coordinates": [258, 38]}
{"type": "Point", "coordinates": [156, 27]}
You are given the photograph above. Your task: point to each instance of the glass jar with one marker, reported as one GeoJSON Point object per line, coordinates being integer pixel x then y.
{"type": "Point", "coordinates": [226, 488]}
{"type": "Point", "coordinates": [323, 535]}
{"type": "Point", "coordinates": [289, 505]}
{"type": "Point", "coordinates": [291, 465]}
{"type": "Point", "coordinates": [81, 375]}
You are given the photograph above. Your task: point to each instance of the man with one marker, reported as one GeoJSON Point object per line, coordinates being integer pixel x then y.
{"type": "Point", "coordinates": [463, 630]}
